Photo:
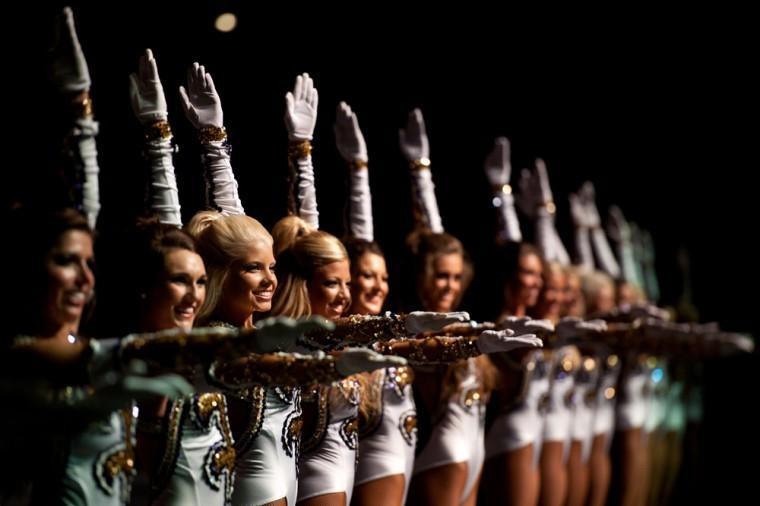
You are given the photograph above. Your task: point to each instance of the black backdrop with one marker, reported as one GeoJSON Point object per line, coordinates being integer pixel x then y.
{"type": "Point", "coordinates": [656, 110]}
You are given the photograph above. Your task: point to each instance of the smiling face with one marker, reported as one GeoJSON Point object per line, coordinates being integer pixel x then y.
{"type": "Point", "coordinates": [528, 282]}
{"type": "Point", "coordinates": [443, 286]}
{"type": "Point", "coordinates": [70, 279]}
{"type": "Point", "coordinates": [173, 301]}
{"type": "Point", "coordinates": [552, 298]}
{"type": "Point", "coordinates": [329, 289]}
{"type": "Point", "coordinates": [369, 284]}
{"type": "Point", "coordinates": [250, 284]}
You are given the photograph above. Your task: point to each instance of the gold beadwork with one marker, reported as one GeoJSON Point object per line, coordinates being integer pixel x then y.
{"type": "Point", "coordinates": [166, 467]}
{"type": "Point", "coordinates": [255, 397]}
{"type": "Point", "coordinates": [420, 164]}
{"type": "Point", "coordinates": [408, 426]}
{"type": "Point", "coordinates": [158, 130]}
{"type": "Point", "coordinates": [280, 369]}
{"type": "Point", "coordinates": [320, 397]}
{"type": "Point", "coordinates": [211, 134]}
{"type": "Point", "coordinates": [81, 105]}
{"type": "Point", "coordinates": [299, 149]}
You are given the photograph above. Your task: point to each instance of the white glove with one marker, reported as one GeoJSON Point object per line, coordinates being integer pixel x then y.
{"type": "Point", "coordinates": [279, 333]}
{"type": "Point", "coordinates": [69, 67]}
{"type": "Point", "coordinates": [736, 343]}
{"type": "Point", "coordinates": [146, 92]}
{"type": "Point", "coordinates": [348, 135]}
{"type": "Point", "coordinates": [414, 145]}
{"type": "Point", "coordinates": [620, 232]}
{"type": "Point", "coordinates": [413, 139]}
{"type": "Point", "coordinates": [306, 193]}
{"type": "Point", "coordinates": [360, 220]}
{"type": "Point", "coordinates": [604, 254]}
{"type": "Point", "coordinates": [83, 134]}
{"type": "Point", "coordinates": [149, 105]}
{"type": "Point", "coordinates": [529, 198]}
{"type": "Point", "coordinates": [203, 108]}
{"type": "Point", "coordinates": [645, 310]}
{"type": "Point", "coordinates": [498, 170]}
{"type": "Point", "coordinates": [526, 325]}
{"type": "Point", "coordinates": [164, 196]}
{"type": "Point", "coordinates": [123, 383]}
{"type": "Point", "coordinates": [356, 360]}
{"type": "Point", "coordinates": [584, 253]}
{"type": "Point", "coordinates": [301, 109]}
{"type": "Point", "coordinates": [543, 181]}
{"type": "Point", "coordinates": [200, 101]}
{"type": "Point", "coordinates": [617, 226]}
{"type": "Point", "coordinates": [352, 148]}
{"type": "Point", "coordinates": [428, 321]}
{"type": "Point", "coordinates": [537, 202]}
{"type": "Point", "coordinates": [300, 120]}
{"type": "Point", "coordinates": [498, 341]}
{"type": "Point", "coordinates": [497, 165]}
{"type": "Point", "coordinates": [573, 327]}
{"type": "Point", "coordinates": [422, 182]}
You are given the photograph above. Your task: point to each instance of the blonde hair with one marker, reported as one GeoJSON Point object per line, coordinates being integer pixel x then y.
{"type": "Point", "coordinates": [221, 240]}
{"type": "Point", "coordinates": [592, 285]}
{"type": "Point", "coordinates": [300, 250]}
{"type": "Point", "coordinates": [554, 268]}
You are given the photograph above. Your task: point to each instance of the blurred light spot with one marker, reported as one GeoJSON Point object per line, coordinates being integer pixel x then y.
{"type": "Point", "coordinates": [226, 22]}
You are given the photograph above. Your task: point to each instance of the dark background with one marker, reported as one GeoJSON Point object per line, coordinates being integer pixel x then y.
{"type": "Point", "coordinates": [658, 110]}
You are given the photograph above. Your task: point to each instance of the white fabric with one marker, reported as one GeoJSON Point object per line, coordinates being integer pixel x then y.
{"type": "Point", "coordinates": [164, 196]}
{"type": "Point", "coordinates": [188, 484]}
{"type": "Point", "coordinates": [604, 416]}
{"type": "Point", "coordinates": [360, 201]}
{"type": "Point", "coordinates": [458, 436]}
{"type": "Point", "coordinates": [389, 449]}
{"type": "Point", "coordinates": [425, 192]}
{"type": "Point", "coordinates": [84, 132]}
{"type": "Point", "coordinates": [558, 417]}
{"type": "Point", "coordinates": [306, 193]}
{"type": "Point", "coordinates": [548, 240]}
{"type": "Point", "coordinates": [267, 468]}
{"type": "Point", "coordinates": [86, 472]}
{"type": "Point", "coordinates": [220, 179]}
{"type": "Point", "coordinates": [509, 225]}
{"type": "Point", "coordinates": [632, 405]}
{"type": "Point", "coordinates": [583, 248]}
{"type": "Point", "coordinates": [330, 467]}
{"type": "Point", "coordinates": [498, 168]}
{"type": "Point", "coordinates": [604, 255]}
{"type": "Point", "coordinates": [584, 396]}
{"type": "Point", "coordinates": [523, 424]}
